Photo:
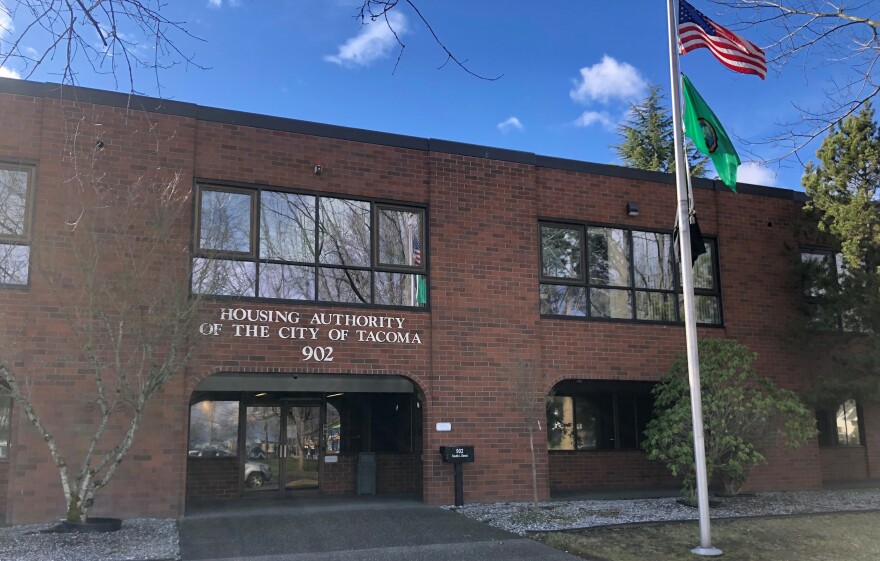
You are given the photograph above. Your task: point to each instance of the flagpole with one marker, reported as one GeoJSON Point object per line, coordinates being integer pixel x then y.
{"type": "Point", "coordinates": [687, 273]}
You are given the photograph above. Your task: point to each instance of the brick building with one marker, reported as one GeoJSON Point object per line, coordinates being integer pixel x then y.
{"type": "Point", "coordinates": [370, 297]}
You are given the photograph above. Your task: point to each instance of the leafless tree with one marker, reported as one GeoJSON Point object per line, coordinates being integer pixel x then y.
{"type": "Point", "coordinates": [531, 407]}
{"type": "Point", "coordinates": [115, 37]}
{"type": "Point", "coordinates": [118, 269]}
{"type": "Point", "coordinates": [818, 33]}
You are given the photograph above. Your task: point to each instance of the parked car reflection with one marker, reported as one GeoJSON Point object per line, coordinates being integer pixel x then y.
{"type": "Point", "coordinates": [256, 474]}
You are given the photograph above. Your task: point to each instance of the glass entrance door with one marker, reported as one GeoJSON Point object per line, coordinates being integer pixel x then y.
{"type": "Point", "coordinates": [302, 448]}
{"type": "Point", "coordinates": [282, 447]}
{"type": "Point", "coordinates": [263, 448]}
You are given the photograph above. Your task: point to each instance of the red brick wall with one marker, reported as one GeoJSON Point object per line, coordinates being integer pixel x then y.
{"type": "Point", "coordinates": [871, 438]}
{"type": "Point", "coordinates": [395, 473]}
{"type": "Point", "coordinates": [484, 321]}
{"type": "Point", "coordinates": [843, 463]}
{"type": "Point", "coordinates": [213, 478]}
{"type": "Point", "coordinates": [618, 469]}
{"type": "Point", "coordinates": [398, 473]}
{"type": "Point", "coordinates": [4, 480]}
{"type": "Point", "coordinates": [340, 477]}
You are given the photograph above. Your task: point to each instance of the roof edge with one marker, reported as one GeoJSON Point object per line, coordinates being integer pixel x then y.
{"type": "Point", "coordinates": [233, 117]}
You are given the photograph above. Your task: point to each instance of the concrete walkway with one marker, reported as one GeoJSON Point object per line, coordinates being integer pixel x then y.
{"type": "Point", "coordinates": [347, 529]}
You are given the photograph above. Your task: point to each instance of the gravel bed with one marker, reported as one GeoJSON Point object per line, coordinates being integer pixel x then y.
{"type": "Point", "coordinates": [139, 539]}
{"type": "Point", "coordinates": [151, 539]}
{"type": "Point", "coordinates": [520, 519]}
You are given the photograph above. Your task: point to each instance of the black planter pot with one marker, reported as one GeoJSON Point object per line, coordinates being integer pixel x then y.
{"type": "Point", "coordinates": [92, 525]}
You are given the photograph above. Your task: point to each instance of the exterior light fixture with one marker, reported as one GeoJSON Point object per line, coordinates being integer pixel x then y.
{"type": "Point", "coordinates": [632, 209]}
{"type": "Point", "coordinates": [261, 394]}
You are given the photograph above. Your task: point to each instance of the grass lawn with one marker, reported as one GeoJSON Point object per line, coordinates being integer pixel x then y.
{"type": "Point", "coordinates": [825, 537]}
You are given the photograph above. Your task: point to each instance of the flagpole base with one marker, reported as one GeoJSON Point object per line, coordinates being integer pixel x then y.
{"type": "Point", "coordinates": [707, 551]}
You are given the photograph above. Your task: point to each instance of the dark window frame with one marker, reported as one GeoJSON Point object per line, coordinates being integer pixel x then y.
{"type": "Point", "coordinates": [253, 257]}
{"type": "Point", "coordinates": [25, 238]}
{"type": "Point", "coordinates": [616, 392]}
{"type": "Point", "coordinates": [827, 419]}
{"type": "Point", "coordinates": [586, 284]}
{"type": "Point", "coordinates": [814, 302]}
{"type": "Point", "coordinates": [6, 430]}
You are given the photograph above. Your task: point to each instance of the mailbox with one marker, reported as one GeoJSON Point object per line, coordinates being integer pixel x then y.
{"type": "Point", "coordinates": [457, 454]}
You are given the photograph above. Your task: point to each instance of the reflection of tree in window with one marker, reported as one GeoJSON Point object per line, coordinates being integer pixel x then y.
{"type": "Point", "coordinates": [609, 267]}
{"type": "Point", "coordinates": [561, 252]}
{"type": "Point", "coordinates": [653, 269]}
{"type": "Point", "coordinates": [223, 277]}
{"type": "Point", "coordinates": [344, 239]}
{"type": "Point", "coordinates": [225, 221]}
{"type": "Point", "coordinates": [14, 264]}
{"type": "Point", "coordinates": [400, 234]}
{"type": "Point", "coordinates": [559, 299]}
{"type": "Point", "coordinates": [13, 202]}
{"type": "Point", "coordinates": [213, 425]}
{"type": "Point", "coordinates": [287, 233]}
{"type": "Point", "coordinates": [14, 256]}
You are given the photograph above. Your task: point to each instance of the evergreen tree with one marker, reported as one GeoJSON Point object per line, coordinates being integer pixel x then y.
{"type": "Point", "coordinates": [844, 311]}
{"type": "Point", "coordinates": [647, 138]}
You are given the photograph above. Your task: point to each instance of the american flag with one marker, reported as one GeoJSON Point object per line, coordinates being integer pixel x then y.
{"type": "Point", "coordinates": [416, 251]}
{"type": "Point", "coordinates": [696, 30]}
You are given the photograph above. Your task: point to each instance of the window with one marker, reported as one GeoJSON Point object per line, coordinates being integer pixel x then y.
{"type": "Point", "coordinates": [824, 273]}
{"type": "Point", "coordinates": [213, 429]}
{"type": "Point", "coordinates": [16, 185]}
{"type": "Point", "coordinates": [292, 246]}
{"type": "Point", "coordinates": [840, 427]}
{"type": "Point", "coordinates": [598, 416]}
{"type": "Point", "coordinates": [612, 273]}
{"type": "Point", "coordinates": [5, 424]}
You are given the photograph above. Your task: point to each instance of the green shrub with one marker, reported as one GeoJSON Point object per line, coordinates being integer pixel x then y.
{"type": "Point", "coordinates": [743, 414]}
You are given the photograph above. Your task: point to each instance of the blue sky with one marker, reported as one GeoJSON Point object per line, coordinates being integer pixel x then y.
{"type": "Point", "coordinates": [570, 70]}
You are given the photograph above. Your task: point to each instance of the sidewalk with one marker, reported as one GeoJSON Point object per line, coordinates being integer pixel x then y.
{"type": "Point", "coordinates": [377, 529]}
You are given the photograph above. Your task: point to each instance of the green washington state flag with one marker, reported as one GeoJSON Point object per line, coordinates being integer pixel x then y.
{"type": "Point", "coordinates": [702, 126]}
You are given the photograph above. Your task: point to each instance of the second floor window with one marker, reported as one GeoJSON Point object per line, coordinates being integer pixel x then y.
{"type": "Point", "coordinates": [263, 243]}
{"type": "Point", "coordinates": [16, 184]}
{"type": "Point", "coordinates": [613, 273]}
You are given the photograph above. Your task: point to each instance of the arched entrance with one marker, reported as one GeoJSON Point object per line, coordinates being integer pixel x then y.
{"type": "Point", "coordinates": [290, 435]}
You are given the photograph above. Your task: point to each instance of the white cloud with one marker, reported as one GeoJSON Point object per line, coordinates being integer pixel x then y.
{"type": "Point", "coordinates": [219, 3]}
{"type": "Point", "coordinates": [509, 125]}
{"type": "Point", "coordinates": [374, 41]}
{"type": "Point", "coordinates": [756, 174]}
{"type": "Point", "coordinates": [590, 118]}
{"type": "Point", "coordinates": [608, 79]}
{"type": "Point", "coordinates": [5, 21]}
{"type": "Point", "coordinates": [215, 3]}
{"type": "Point", "coordinates": [9, 73]}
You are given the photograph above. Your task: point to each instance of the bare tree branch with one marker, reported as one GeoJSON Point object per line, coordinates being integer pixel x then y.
{"type": "Point", "coordinates": [128, 35]}
{"type": "Point", "coordinates": [373, 10]}
{"type": "Point", "coordinates": [812, 34]}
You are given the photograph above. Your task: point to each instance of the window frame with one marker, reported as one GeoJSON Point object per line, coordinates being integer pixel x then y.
{"type": "Point", "coordinates": [813, 301]}
{"type": "Point", "coordinates": [613, 391]}
{"type": "Point", "coordinates": [632, 289]}
{"type": "Point", "coordinates": [5, 396]}
{"type": "Point", "coordinates": [25, 239]}
{"type": "Point", "coordinates": [829, 439]}
{"type": "Point", "coordinates": [373, 269]}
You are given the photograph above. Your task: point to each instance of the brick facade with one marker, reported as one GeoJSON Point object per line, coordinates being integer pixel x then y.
{"type": "Point", "coordinates": [483, 207]}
